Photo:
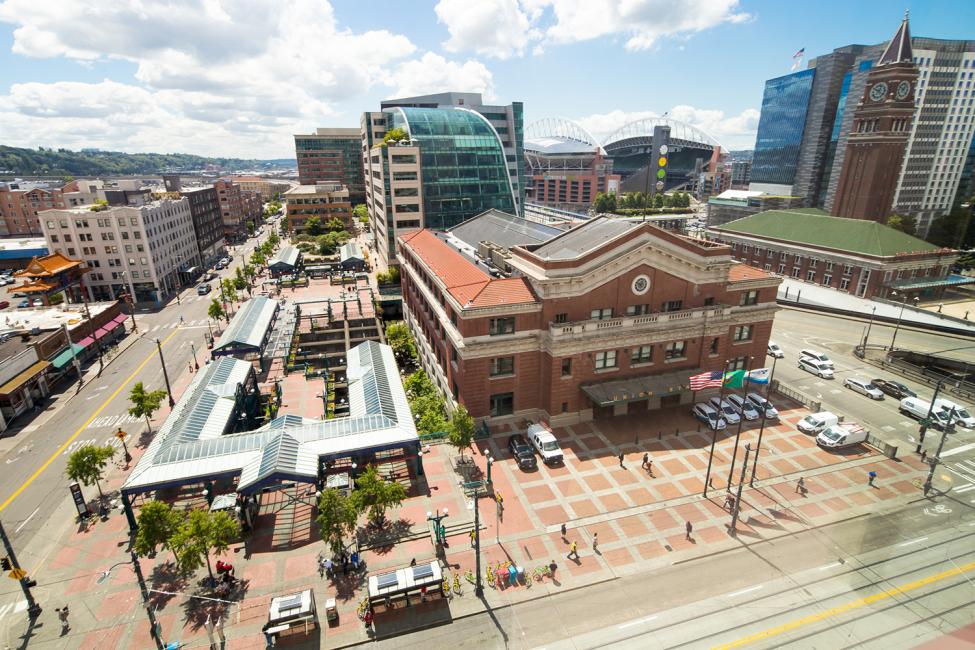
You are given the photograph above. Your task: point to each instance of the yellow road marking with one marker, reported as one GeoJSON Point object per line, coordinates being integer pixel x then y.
{"type": "Point", "coordinates": [77, 433]}
{"type": "Point", "coordinates": [812, 618]}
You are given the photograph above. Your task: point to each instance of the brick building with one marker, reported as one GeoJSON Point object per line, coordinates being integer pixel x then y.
{"type": "Point", "coordinates": [610, 317]}
{"type": "Point", "coordinates": [861, 257]}
{"type": "Point", "coordinates": [20, 205]}
{"type": "Point", "coordinates": [326, 201]}
{"type": "Point", "coordinates": [231, 209]}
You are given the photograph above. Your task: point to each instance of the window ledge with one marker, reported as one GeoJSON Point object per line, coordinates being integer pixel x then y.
{"type": "Point", "coordinates": [569, 376]}
{"type": "Point", "coordinates": [505, 376]}
{"type": "Point", "coordinates": [675, 360]}
{"type": "Point", "coordinates": [641, 364]}
{"type": "Point", "coordinates": [601, 371]}
{"type": "Point", "coordinates": [743, 342]}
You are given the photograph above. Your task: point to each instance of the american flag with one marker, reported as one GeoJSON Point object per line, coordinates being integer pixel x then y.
{"type": "Point", "coordinates": [704, 380]}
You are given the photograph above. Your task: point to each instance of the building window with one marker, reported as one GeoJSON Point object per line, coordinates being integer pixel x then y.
{"type": "Point", "coordinates": [738, 364]}
{"type": "Point", "coordinates": [605, 360]}
{"type": "Point", "coordinates": [827, 279]}
{"type": "Point", "coordinates": [498, 326]}
{"type": "Point", "coordinates": [847, 269]}
{"type": "Point", "coordinates": [566, 367]}
{"type": "Point", "coordinates": [601, 314]}
{"type": "Point", "coordinates": [844, 284]}
{"type": "Point", "coordinates": [781, 269]}
{"type": "Point", "coordinates": [714, 346]}
{"type": "Point", "coordinates": [743, 333]}
{"type": "Point", "coordinates": [796, 271]}
{"type": "Point", "coordinates": [562, 318]}
{"type": "Point", "coordinates": [637, 310]}
{"type": "Point", "coordinates": [453, 354]}
{"type": "Point", "coordinates": [642, 354]}
{"type": "Point", "coordinates": [502, 404]}
{"type": "Point", "coordinates": [749, 298]}
{"type": "Point", "coordinates": [768, 267]}
{"type": "Point", "coordinates": [502, 366]}
{"type": "Point", "coordinates": [672, 305]}
{"type": "Point", "coordinates": [829, 266]}
{"type": "Point", "coordinates": [810, 275]}
{"type": "Point", "coordinates": [675, 350]}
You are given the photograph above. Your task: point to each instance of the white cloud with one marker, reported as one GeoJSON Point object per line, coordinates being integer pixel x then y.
{"type": "Point", "coordinates": [502, 28]}
{"type": "Point", "coordinates": [238, 77]}
{"type": "Point", "coordinates": [433, 73]}
{"type": "Point", "coordinates": [497, 28]}
{"type": "Point", "coordinates": [732, 131]}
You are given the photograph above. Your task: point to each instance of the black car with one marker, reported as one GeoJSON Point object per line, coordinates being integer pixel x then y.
{"type": "Point", "coordinates": [893, 388]}
{"type": "Point", "coordinates": [522, 451]}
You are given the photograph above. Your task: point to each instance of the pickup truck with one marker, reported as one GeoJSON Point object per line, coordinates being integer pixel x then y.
{"type": "Point", "coordinates": [841, 435]}
{"type": "Point", "coordinates": [545, 444]}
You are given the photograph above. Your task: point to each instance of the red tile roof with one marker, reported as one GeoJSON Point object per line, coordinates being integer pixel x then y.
{"type": "Point", "coordinates": [742, 272]}
{"type": "Point", "coordinates": [469, 285]}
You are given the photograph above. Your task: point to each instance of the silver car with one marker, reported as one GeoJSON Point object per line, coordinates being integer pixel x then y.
{"type": "Point", "coordinates": [863, 386]}
{"type": "Point", "coordinates": [745, 408]}
{"type": "Point", "coordinates": [727, 410]}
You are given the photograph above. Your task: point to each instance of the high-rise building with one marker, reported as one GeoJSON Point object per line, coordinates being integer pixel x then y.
{"type": "Point", "coordinates": [231, 210]}
{"type": "Point", "coordinates": [875, 146]}
{"type": "Point", "coordinates": [20, 204]}
{"type": "Point", "coordinates": [450, 166]}
{"type": "Point", "coordinates": [332, 156]}
{"type": "Point", "coordinates": [207, 222]}
{"type": "Point", "coordinates": [802, 143]}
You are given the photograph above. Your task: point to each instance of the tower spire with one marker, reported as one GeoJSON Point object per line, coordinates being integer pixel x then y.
{"type": "Point", "coordinates": [899, 48]}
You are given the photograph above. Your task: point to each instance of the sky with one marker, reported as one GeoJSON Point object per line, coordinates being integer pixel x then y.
{"type": "Point", "coordinates": [241, 77]}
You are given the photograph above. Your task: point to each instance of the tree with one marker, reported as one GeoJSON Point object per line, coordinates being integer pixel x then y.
{"type": "Point", "coordinates": [399, 338]}
{"type": "Point", "coordinates": [250, 225]}
{"type": "Point", "coordinates": [905, 224]}
{"type": "Point", "coordinates": [87, 464]}
{"type": "Point", "coordinates": [216, 311]}
{"type": "Point", "coordinates": [361, 212]}
{"type": "Point", "coordinates": [461, 433]}
{"type": "Point", "coordinates": [376, 495]}
{"type": "Point", "coordinates": [240, 281]}
{"type": "Point", "coordinates": [274, 239]}
{"type": "Point", "coordinates": [604, 203]}
{"type": "Point", "coordinates": [417, 384]}
{"type": "Point", "coordinates": [201, 533]}
{"type": "Point", "coordinates": [258, 258]}
{"type": "Point", "coordinates": [158, 522]}
{"type": "Point", "coordinates": [335, 224]}
{"type": "Point", "coordinates": [658, 200]}
{"type": "Point", "coordinates": [145, 403]}
{"type": "Point", "coordinates": [949, 231]}
{"type": "Point", "coordinates": [229, 290]}
{"type": "Point", "coordinates": [267, 249]}
{"type": "Point", "coordinates": [313, 226]}
{"type": "Point", "coordinates": [394, 135]}
{"type": "Point", "coordinates": [336, 518]}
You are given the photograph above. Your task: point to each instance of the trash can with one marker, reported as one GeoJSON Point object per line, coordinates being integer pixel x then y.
{"type": "Point", "coordinates": [512, 575]}
{"type": "Point", "coordinates": [521, 574]}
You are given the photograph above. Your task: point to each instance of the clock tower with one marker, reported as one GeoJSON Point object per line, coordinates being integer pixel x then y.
{"type": "Point", "coordinates": [881, 126]}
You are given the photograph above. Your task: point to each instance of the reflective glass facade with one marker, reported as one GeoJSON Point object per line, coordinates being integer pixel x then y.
{"type": "Point", "coordinates": [462, 163]}
{"type": "Point", "coordinates": [835, 135]}
{"type": "Point", "coordinates": [780, 127]}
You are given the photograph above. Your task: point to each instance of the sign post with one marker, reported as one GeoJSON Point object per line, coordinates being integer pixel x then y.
{"type": "Point", "coordinates": [79, 500]}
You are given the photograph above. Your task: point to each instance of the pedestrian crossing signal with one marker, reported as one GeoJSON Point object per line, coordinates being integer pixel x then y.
{"type": "Point", "coordinates": [5, 563]}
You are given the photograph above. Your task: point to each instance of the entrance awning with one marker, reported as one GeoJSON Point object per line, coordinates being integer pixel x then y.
{"type": "Point", "coordinates": [65, 357]}
{"type": "Point", "coordinates": [639, 388]}
{"type": "Point", "coordinates": [919, 284]}
{"type": "Point", "coordinates": [23, 377]}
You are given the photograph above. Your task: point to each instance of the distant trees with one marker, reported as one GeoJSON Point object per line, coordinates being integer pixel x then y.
{"type": "Point", "coordinates": [461, 433]}
{"type": "Point", "coordinates": [952, 230]}
{"type": "Point", "coordinates": [399, 338]}
{"type": "Point", "coordinates": [638, 202]}
{"type": "Point", "coordinates": [904, 224]}
{"type": "Point", "coordinates": [361, 213]}
{"type": "Point", "coordinates": [216, 310]}
{"type": "Point", "coordinates": [313, 226]}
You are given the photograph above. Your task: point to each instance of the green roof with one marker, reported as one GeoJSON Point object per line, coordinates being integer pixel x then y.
{"type": "Point", "coordinates": [813, 227]}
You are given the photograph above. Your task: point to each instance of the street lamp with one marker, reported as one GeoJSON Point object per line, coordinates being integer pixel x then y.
{"type": "Point", "coordinates": [438, 532]}
{"type": "Point", "coordinates": [490, 461]}
{"type": "Point", "coordinates": [196, 365]}
{"type": "Point", "coordinates": [900, 316]}
{"type": "Point", "coordinates": [162, 361]}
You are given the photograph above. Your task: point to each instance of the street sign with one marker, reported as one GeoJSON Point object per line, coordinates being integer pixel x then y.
{"type": "Point", "coordinates": [121, 434]}
{"type": "Point", "coordinates": [79, 499]}
{"type": "Point", "coordinates": [17, 574]}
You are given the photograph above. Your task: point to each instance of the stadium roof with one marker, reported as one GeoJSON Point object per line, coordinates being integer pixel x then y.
{"type": "Point", "coordinates": [678, 131]}
{"type": "Point", "coordinates": [559, 135]}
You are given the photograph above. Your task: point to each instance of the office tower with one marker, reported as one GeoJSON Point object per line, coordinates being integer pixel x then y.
{"type": "Point", "coordinates": [331, 156]}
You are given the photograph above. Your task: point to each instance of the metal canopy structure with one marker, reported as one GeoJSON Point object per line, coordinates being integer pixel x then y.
{"type": "Point", "coordinates": [249, 329]}
{"type": "Point", "coordinates": [193, 445]}
{"type": "Point", "coordinates": [285, 259]}
{"type": "Point", "coordinates": [680, 132]}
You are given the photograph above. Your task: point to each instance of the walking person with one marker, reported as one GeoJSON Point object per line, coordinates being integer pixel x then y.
{"type": "Point", "coordinates": [563, 532]}
{"type": "Point", "coordinates": [689, 528]}
{"type": "Point", "coordinates": [473, 534]}
{"type": "Point", "coordinates": [63, 617]}
{"type": "Point", "coordinates": [621, 460]}
{"type": "Point", "coordinates": [595, 541]}
{"type": "Point", "coordinates": [801, 486]}
{"type": "Point", "coordinates": [573, 551]}
{"type": "Point", "coordinates": [871, 477]}
{"type": "Point", "coordinates": [650, 467]}
{"type": "Point", "coordinates": [646, 458]}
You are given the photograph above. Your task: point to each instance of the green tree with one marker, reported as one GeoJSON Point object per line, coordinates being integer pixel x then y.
{"type": "Point", "coordinates": [394, 135]}
{"type": "Point", "coordinates": [361, 213]}
{"type": "Point", "coordinates": [240, 281]}
{"type": "Point", "coordinates": [267, 249]}
{"type": "Point", "coordinates": [158, 522]}
{"type": "Point", "coordinates": [335, 224]}
{"type": "Point", "coordinates": [658, 200]}
{"type": "Point", "coordinates": [313, 226]}
{"type": "Point", "coordinates": [905, 224]}
{"type": "Point", "coordinates": [399, 338]}
{"type": "Point", "coordinates": [949, 231]}
{"type": "Point", "coordinates": [274, 239]}
{"type": "Point", "coordinates": [87, 464]}
{"type": "Point", "coordinates": [200, 534]}
{"type": "Point", "coordinates": [229, 290]}
{"type": "Point", "coordinates": [145, 403]}
{"type": "Point", "coordinates": [374, 494]}
{"type": "Point", "coordinates": [250, 226]}
{"type": "Point", "coordinates": [604, 203]}
{"type": "Point", "coordinates": [417, 385]}
{"type": "Point", "coordinates": [461, 432]}
{"type": "Point", "coordinates": [258, 258]}
{"type": "Point", "coordinates": [216, 311]}
{"type": "Point", "coordinates": [336, 518]}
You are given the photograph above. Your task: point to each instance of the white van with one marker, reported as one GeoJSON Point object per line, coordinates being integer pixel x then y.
{"type": "Point", "coordinates": [962, 415]}
{"type": "Point", "coordinates": [816, 422]}
{"type": "Point", "coordinates": [818, 356]}
{"type": "Point", "coordinates": [841, 435]}
{"type": "Point", "coordinates": [545, 443]}
{"type": "Point", "coordinates": [918, 408]}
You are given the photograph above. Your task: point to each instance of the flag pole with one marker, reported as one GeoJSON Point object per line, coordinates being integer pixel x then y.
{"type": "Point", "coordinates": [741, 421]}
{"type": "Point", "coordinates": [761, 430]}
{"type": "Point", "coordinates": [714, 437]}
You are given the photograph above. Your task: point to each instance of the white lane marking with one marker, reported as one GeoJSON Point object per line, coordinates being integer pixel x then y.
{"type": "Point", "coordinates": [913, 541]}
{"type": "Point", "coordinates": [24, 522]}
{"type": "Point", "coordinates": [830, 566]}
{"type": "Point", "coordinates": [965, 489]}
{"type": "Point", "coordinates": [5, 610]}
{"type": "Point", "coordinates": [743, 591]}
{"type": "Point", "coordinates": [957, 450]}
{"type": "Point", "coordinates": [639, 621]}
{"type": "Point", "coordinates": [21, 606]}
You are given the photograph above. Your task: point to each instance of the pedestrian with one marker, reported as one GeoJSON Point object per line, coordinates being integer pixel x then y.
{"type": "Point", "coordinates": [552, 566]}
{"type": "Point", "coordinates": [871, 477]}
{"type": "Point", "coordinates": [500, 501]}
{"type": "Point", "coordinates": [801, 486]}
{"type": "Point", "coordinates": [413, 562]}
{"type": "Point", "coordinates": [924, 455]}
{"type": "Point", "coordinates": [443, 535]}
{"type": "Point", "coordinates": [689, 528]}
{"type": "Point", "coordinates": [646, 458]}
{"type": "Point", "coordinates": [650, 467]}
{"type": "Point", "coordinates": [355, 560]}
{"type": "Point", "coordinates": [573, 550]}
{"type": "Point", "coordinates": [345, 564]}
{"type": "Point", "coordinates": [63, 617]}
{"type": "Point", "coordinates": [563, 530]}
{"type": "Point", "coordinates": [423, 594]}
{"type": "Point", "coordinates": [621, 460]}
{"type": "Point", "coordinates": [595, 541]}
{"type": "Point", "coordinates": [181, 319]}
{"type": "Point", "coordinates": [729, 502]}
{"type": "Point", "coordinates": [328, 567]}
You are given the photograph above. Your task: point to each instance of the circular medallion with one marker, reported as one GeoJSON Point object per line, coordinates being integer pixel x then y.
{"type": "Point", "coordinates": [641, 284]}
{"type": "Point", "coordinates": [878, 92]}
{"type": "Point", "coordinates": [903, 90]}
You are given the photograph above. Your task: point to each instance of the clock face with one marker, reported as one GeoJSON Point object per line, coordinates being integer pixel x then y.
{"type": "Point", "coordinates": [903, 90]}
{"type": "Point", "coordinates": [878, 92]}
{"type": "Point", "coordinates": [641, 284]}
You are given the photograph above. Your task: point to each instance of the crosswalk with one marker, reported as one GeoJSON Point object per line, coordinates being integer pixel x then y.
{"type": "Point", "coordinates": [964, 470]}
{"type": "Point", "coordinates": [202, 322]}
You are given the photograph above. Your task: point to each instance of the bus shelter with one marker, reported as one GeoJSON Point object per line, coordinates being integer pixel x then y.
{"type": "Point", "coordinates": [408, 585]}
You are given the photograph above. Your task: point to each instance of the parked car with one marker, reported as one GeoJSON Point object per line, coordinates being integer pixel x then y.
{"type": "Point", "coordinates": [775, 351]}
{"type": "Point", "coordinates": [37, 302]}
{"type": "Point", "coordinates": [893, 388]}
{"type": "Point", "coordinates": [817, 368]}
{"type": "Point", "coordinates": [24, 303]}
{"type": "Point", "coordinates": [728, 411]}
{"type": "Point", "coordinates": [709, 416]}
{"type": "Point", "coordinates": [522, 452]}
{"type": "Point", "coordinates": [818, 356]}
{"type": "Point", "coordinates": [863, 386]}
{"type": "Point", "coordinates": [203, 289]}
{"type": "Point", "coordinates": [210, 275]}
{"type": "Point", "coordinates": [220, 266]}
{"type": "Point", "coordinates": [744, 407]}
{"type": "Point", "coordinates": [545, 444]}
{"type": "Point", "coordinates": [841, 435]}
{"type": "Point", "coordinates": [816, 422]}
{"type": "Point", "coordinates": [760, 403]}
{"type": "Point", "coordinates": [4, 304]}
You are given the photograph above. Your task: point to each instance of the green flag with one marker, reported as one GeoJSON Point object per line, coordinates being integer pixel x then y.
{"type": "Point", "coordinates": [734, 379]}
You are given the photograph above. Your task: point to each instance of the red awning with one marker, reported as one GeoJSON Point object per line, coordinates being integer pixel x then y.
{"type": "Point", "coordinates": [101, 333]}
{"type": "Point", "coordinates": [118, 320]}
{"type": "Point", "coordinates": [85, 342]}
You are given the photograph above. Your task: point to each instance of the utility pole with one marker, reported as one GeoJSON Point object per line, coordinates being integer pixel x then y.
{"type": "Point", "coordinates": [927, 420]}
{"type": "Point", "coordinates": [741, 484]}
{"type": "Point", "coordinates": [478, 585]}
{"type": "Point", "coordinates": [91, 333]}
{"type": "Point", "coordinates": [196, 364]}
{"type": "Point", "coordinates": [169, 390]}
{"type": "Point", "coordinates": [153, 625]}
{"type": "Point", "coordinates": [866, 336]}
{"type": "Point", "coordinates": [761, 429]}
{"type": "Point", "coordinates": [33, 609]}
{"type": "Point", "coordinates": [741, 422]}
{"type": "Point", "coordinates": [934, 462]}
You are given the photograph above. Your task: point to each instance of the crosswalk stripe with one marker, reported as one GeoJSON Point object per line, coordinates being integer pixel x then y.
{"type": "Point", "coordinates": [5, 610]}
{"type": "Point", "coordinates": [966, 488]}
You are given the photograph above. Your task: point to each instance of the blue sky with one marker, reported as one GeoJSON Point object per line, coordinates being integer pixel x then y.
{"type": "Point", "coordinates": [239, 77]}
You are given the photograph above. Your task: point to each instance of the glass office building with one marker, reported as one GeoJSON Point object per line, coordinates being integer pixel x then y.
{"type": "Point", "coordinates": [780, 128]}
{"type": "Point", "coordinates": [462, 163]}
{"type": "Point", "coordinates": [332, 156]}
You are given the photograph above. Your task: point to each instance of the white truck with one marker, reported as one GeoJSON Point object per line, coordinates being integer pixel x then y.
{"type": "Point", "coordinates": [841, 435]}
{"type": "Point", "coordinates": [545, 444]}
{"type": "Point", "coordinates": [816, 422]}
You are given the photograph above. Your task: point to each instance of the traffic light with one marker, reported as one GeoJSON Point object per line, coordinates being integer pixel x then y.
{"type": "Point", "coordinates": [5, 564]}
{"type": "Point", "coordinates": [662, 167]}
